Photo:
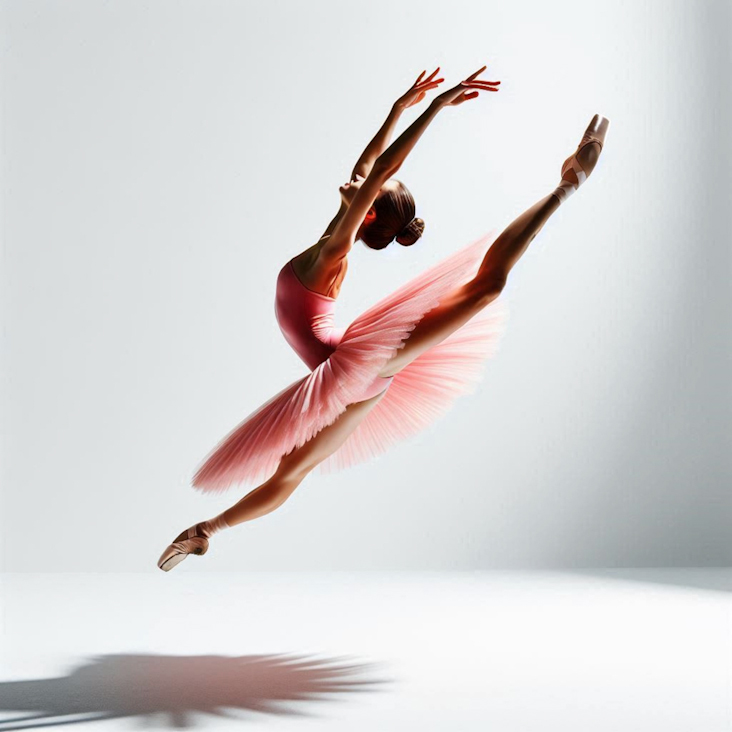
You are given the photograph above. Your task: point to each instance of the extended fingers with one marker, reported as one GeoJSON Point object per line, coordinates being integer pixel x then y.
{"type": "Point", "coordinates": [429, 78]}
{"type": "Point", "coordinates": [481, 84]}
{"type": "Point", "coordinates": [429, 84]}
{"type": "Point", "coordinates": [471, 82]}
{"type": "Point", "coordinates": [471, 78]}
{"type": "Point", "coordinates": [479, 71]}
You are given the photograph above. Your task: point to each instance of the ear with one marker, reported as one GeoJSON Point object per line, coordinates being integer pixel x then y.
{"type": "Point", "coordinates": [370, 214]}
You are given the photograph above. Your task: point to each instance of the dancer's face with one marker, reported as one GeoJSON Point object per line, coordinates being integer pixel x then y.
{"type": "Point", "coordinates": [348, 190]}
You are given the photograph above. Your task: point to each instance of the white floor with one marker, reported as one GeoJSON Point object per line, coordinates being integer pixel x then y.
{"type": "Point", "coordinates": [603, 650]}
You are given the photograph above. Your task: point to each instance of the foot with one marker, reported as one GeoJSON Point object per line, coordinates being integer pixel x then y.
{"type": "Point", "coordinates": [193, 540]}
{"type": "Point", "coordinates": [187, 542]}
{"type": "Point", "coordinates": [197, 531]}
{"type": "Point", "coordinates": [578, 166]}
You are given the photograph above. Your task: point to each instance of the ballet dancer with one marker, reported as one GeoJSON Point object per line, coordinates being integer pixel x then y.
{"type": "Point", "coordinates": [400, 364]}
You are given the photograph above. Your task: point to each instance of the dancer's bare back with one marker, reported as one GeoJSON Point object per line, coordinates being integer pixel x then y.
{"type": "Point", "coordinates": [318, 272]}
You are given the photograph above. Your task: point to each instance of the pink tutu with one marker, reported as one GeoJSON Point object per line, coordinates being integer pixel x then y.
{"type": "Point", "coordinates": [418, 395]}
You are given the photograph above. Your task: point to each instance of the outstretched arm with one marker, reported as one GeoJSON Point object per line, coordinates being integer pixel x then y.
{"type": "Point", "coordinates": [382, 138]}
{"type": "Point", "coordinates": [379, 143]}
{"type": "Point", "coordinates": [344, 234]}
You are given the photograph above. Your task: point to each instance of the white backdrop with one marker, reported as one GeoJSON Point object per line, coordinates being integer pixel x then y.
{"type": "Point", "coordinates": [162, 160]}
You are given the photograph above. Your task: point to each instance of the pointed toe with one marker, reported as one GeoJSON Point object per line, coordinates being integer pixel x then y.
{"type": "Point", "coordinates": [176, 552]}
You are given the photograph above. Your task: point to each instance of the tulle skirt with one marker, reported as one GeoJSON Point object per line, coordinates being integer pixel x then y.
{"type": "Point", "coordinates": [417, 395]}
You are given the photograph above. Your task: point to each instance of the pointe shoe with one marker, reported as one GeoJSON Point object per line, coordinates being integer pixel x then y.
{"type": "Point", "coordinates": [176, 552]}
{"type": "Point", "coordinates": [573, 173]}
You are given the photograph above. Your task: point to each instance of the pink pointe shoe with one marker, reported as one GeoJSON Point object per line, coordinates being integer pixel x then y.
{"type": "Point", "coordinates": [574, 174]}
{"type": "Point", "coordinates": [176, 552]}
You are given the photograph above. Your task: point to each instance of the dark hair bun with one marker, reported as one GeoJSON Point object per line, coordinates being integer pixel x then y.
{"type": "Point", "coordinates": [411, 232]}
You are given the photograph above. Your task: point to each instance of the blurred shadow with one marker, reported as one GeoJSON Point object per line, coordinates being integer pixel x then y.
{"type": "Point", "coordinates": [176, 689]}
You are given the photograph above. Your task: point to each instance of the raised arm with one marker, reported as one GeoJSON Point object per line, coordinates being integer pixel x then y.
{"type": "Point", "coordinates": [344, 234]}
{"type": "Point", "coordinates": [382, 138]}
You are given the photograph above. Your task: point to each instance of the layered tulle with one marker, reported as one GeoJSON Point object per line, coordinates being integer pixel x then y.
{"type": "Point", "coordinates": [425, 389]}
{"type": "Point", "coordinates": [418, 394]}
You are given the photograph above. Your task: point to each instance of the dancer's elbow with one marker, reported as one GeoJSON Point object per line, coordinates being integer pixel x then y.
{"type": "Point", "coordinates": [385, 166]}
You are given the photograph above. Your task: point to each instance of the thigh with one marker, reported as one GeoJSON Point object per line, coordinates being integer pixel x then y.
{"type": "Point", "coordinates": [304, 458]}
{"type": "Point", "coordinates": [437, 324]}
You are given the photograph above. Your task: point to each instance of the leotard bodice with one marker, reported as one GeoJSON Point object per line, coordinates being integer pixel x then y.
{"type": "Point", "coordinates": [345, 367]}
{"type": "Point", "coordinates": [306, 318]}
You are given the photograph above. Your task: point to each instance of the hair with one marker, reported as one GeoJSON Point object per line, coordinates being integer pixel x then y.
{"type": "Point", "coordinates": [394, 219]}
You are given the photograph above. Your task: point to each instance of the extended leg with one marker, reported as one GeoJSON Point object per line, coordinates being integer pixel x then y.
{"type": "Point", "coordinates": [273, 493]}
{"type": "Point", "coordinates": [292, 469]}
{"type": "Point", "coordinates": [466, 301]}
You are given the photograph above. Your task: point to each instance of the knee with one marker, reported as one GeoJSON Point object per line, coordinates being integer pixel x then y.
{"type": "Point", "coordinates": [273, 493]}
{"type": "Point", "coordinates": [292, 469]}
{"type": "Point", "coordinates": [484, 289]}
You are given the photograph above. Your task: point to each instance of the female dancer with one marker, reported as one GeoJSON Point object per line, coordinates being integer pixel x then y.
{"type": "Point", "coordinates": [397, 366]}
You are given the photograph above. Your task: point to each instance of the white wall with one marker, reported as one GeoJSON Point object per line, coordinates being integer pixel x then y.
{"type": "Point", "coordinates": [162, 160]}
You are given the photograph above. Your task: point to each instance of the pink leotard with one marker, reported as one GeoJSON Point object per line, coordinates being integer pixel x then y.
{"type": "Point", "coordinates": [306, 319]}
{"type": "Point", "coordinates": [343, 369]}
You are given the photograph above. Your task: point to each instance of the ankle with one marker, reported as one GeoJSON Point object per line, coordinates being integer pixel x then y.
{"type": "Point", "coordinates": [563, 191]}
{"type": "Point", "coordinates": [212, 526]}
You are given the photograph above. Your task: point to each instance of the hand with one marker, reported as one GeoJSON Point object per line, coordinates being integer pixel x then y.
{"type": "Point", "coordinates": [458, 94]}
{"type": "Point", "coordinates": [417, 91]}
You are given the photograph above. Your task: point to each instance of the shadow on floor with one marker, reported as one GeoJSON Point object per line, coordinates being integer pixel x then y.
{"type": "Point", "coordinates": [173, 690]}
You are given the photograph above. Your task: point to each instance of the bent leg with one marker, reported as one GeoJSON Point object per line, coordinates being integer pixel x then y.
{"type": "Point", "coordinates": [467, 300]}
{"type": "Point", "coordinates": [297, 464]}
